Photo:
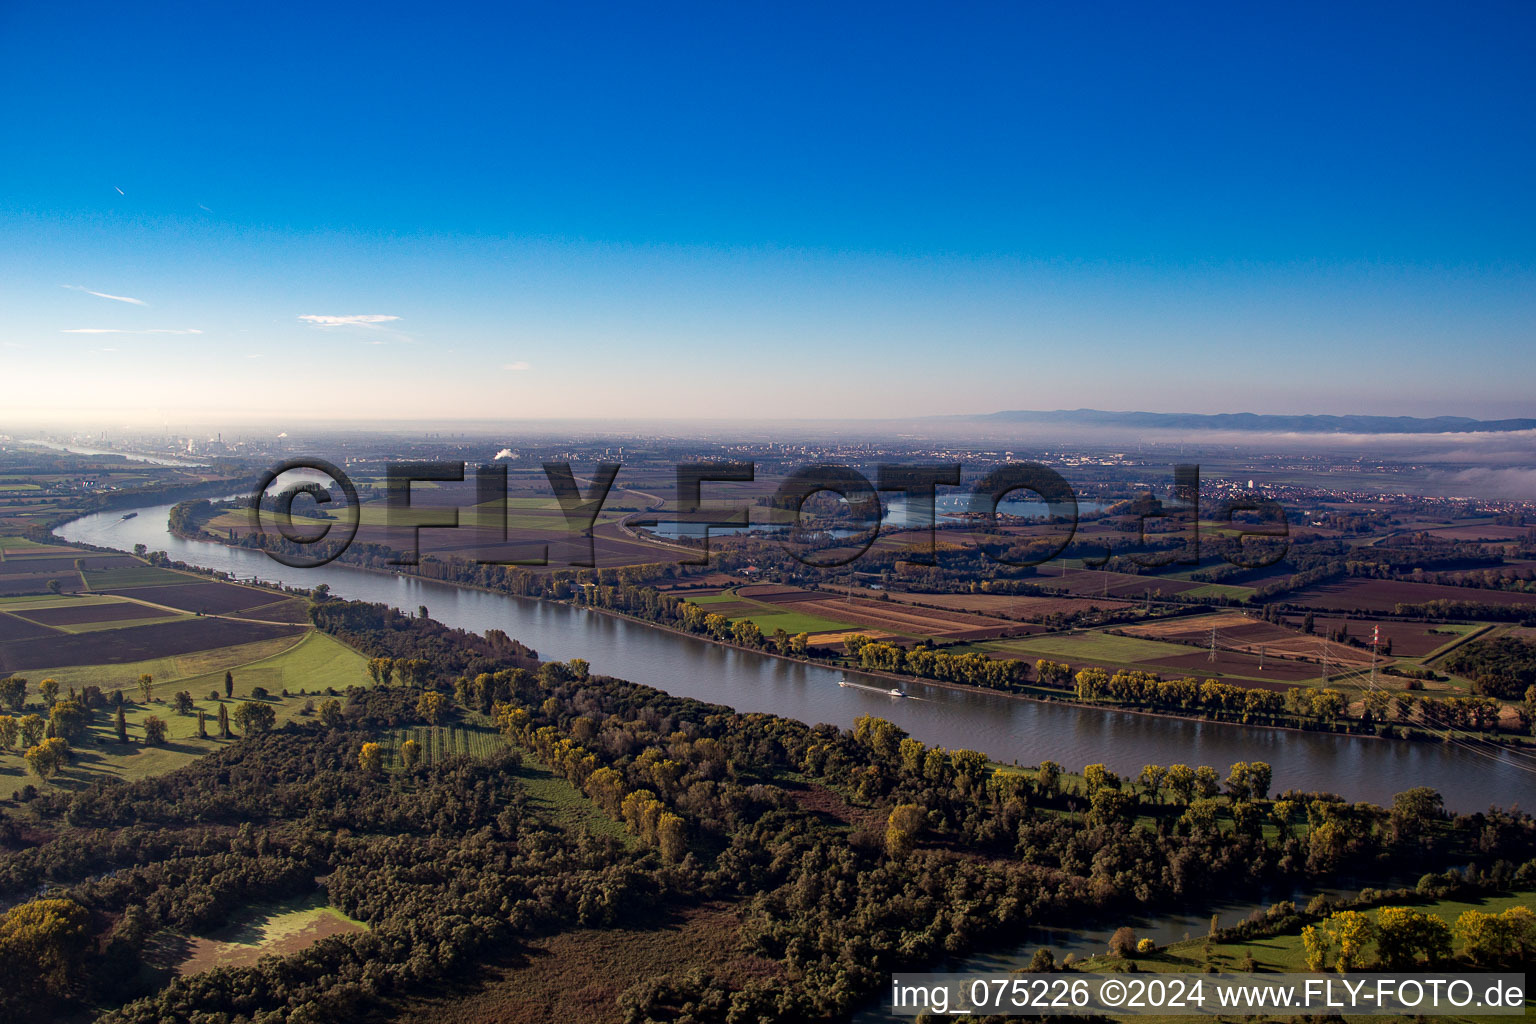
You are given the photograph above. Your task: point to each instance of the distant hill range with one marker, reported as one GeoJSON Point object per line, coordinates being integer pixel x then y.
{"type": "Point", "coordinates": [1248, 421]}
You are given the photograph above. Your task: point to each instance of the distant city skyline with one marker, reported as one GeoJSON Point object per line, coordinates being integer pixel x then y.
{"type": "Point", "coordinates": [765, 212]}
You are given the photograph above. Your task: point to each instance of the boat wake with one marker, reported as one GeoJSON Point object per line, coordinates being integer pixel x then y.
{"type": "Point", "coordinates": [888, 691]}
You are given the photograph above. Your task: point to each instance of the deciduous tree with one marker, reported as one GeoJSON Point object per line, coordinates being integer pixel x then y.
{"type": "Point", "coordinates": [13, 691]}
{"type": "Point", "coordinates": [431, 706]}
{"type": "Point", "coordinates": [254, 716]}
{"type": "Point", "coordinates": [371, 757]}
{"type": "Point", "coordinates": [902, 829]}
{"type": "Point", "coordinates": [46, 758]}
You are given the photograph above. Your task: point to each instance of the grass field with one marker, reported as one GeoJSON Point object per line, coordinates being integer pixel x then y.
{"type": "Point", "coordinates": [564, 804]}
{"type": "Point", "coordinates": [794, 622]}
{"type": "Point", "coordinates": [315, 662]}
{"type": "Point", "coordinates": [18, 544]}
{"type": "Point", "coordinates": [1094, 647]}
{"type": "Point", "coordinates": [1226, 590]}
{"type": "Point", "coordinates": [263, 930]}
{"type": "Point", "coordinates": [766, 616]}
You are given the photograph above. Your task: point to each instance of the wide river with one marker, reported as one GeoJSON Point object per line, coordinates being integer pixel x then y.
{"type": "Point", "coordinates": [1469, 775]}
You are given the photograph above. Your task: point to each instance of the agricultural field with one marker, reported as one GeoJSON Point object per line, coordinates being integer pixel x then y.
{"type": "Point", "coordinates": [1235, 631]}
{"type": "Point", "coordinates": [890, 616]}
{"type": "Point", "coordinates": [136, 643]}
{"type": "Point", "coordinates": [132, 612]}
{"type": "Point", "coordinates": [285, 609]}
{"type": "Point", "coordinates": [442, 741]}
{"type": "Point", "coordinates": [1099, 583]}
{"type": "Point", "coordinates": [314, 662]}
{"type": "Point", "coordinates": [1409, 639]}
{"type": "Point", "coordinates": [133, 576]}
{"type": "Point", "coordinates": [535, 527]}
{"type": "Point", "coordinates": [792, 622]}
{"type": "Point", "coordinates": [1003, 606]}
{"type": "Point", "coordinates": [67, 617]}
{"type": "Point", "coordinates": [1112, 651]}
{"type": "Point", "coordinates": [201, 597]}
{"type": "Point", "coordinates": [15, 627]}
{"type": "Point", "coordinates": [1370, 595]}
{"type": "Point", "coordinates": [20, 584]}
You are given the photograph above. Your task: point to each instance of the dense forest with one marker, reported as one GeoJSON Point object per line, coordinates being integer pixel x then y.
{"type": "Point", "coordinates": [1504, 667]}
{"type": "Point", "coordinates": [854, 852]}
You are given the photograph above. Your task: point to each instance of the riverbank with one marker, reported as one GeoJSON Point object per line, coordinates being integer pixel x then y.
{"type": "Point", "coordinates": [1026, 731]}
{"type": "Point", "coordinates": [1033, 694]}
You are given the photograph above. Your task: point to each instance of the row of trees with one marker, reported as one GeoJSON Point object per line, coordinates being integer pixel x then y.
{"type": "Point", "coordinates": [1407, 938]}
{"type": "Point", "coordinates": [972, 669]}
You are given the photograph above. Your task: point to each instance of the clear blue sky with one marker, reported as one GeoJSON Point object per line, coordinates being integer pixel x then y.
{"type": "Point", "coordinates": [764, 210]}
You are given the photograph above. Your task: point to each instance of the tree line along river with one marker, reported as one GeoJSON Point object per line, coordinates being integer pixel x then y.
{"type": "Point", "coordinates": [1470, 776]}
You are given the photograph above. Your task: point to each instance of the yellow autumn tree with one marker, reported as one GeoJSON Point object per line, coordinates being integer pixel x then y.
{"type": "Point", "coordinates": [44, 943]}
{"type": "Point", "coordinates": [371, 757]}
{"type": "Point", "coordinates": [902, 828]}
{"type": "Point", "coordinates": [431, 706]}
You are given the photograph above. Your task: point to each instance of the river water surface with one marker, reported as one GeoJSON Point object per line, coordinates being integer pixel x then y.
{"type": "Point", "coordinates": [1470, 776]}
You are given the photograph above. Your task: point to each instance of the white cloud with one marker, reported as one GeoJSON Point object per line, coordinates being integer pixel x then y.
{"type": "Point", "coordinates": [115, 330]}
{"type": "Point", "coordinates": [518, 366]}
{"type": "Point", "coordinates": [104, 295]}
{"type": "Point", "coordinates": [356, 320]}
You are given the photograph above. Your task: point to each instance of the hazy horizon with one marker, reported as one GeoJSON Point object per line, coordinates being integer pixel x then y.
{"type": "Point", "coordinates": [720, 214]}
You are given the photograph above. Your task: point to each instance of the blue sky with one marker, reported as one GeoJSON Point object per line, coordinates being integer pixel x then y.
{"type": "Point", "coordinates": [766, 210]}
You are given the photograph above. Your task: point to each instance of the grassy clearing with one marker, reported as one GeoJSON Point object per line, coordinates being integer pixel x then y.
{"type": "Point", "coordinates": [316, 662]}
{"type": "Point", "coordinates": [565, 805]}
{"type": "Point", "coordinates": [18, 544]}
{"type": "Point", "coordinates": [275, 928]}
